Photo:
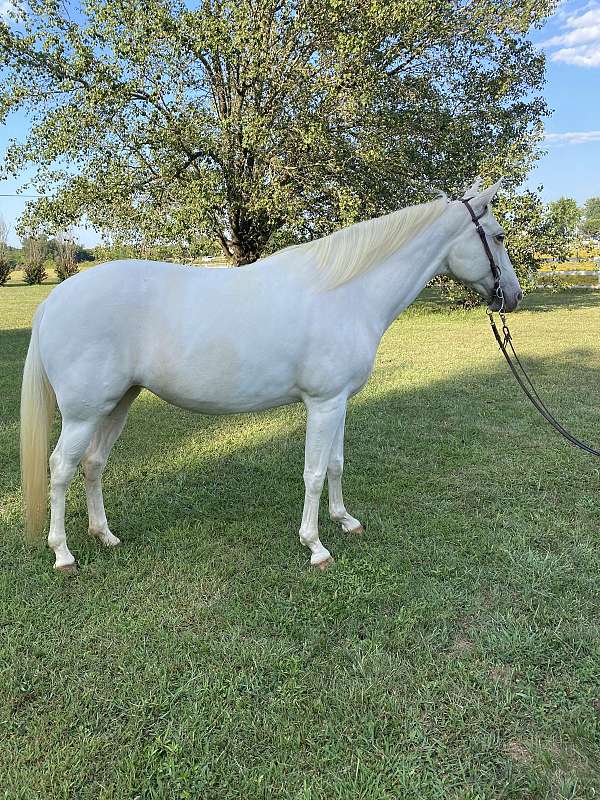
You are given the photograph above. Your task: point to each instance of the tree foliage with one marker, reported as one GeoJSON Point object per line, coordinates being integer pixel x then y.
{"type": "Point", "coordinates": [561, 225]}
{"type": "Point", "coordinates": [522, 217]}
{"type": "Point", "coordinates": [260, 122]}
{"type": "Point", "coordinates": [591, 217]}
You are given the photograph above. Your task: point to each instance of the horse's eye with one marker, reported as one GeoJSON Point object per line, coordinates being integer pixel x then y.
{"type": "Point", "coordinates": [499, 237]}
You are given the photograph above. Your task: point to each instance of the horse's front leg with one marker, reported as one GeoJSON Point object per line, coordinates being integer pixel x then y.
{"type": "Point", "coordinates": [335, 468]}
{"type": "Point", "coordinates": [323, 418]}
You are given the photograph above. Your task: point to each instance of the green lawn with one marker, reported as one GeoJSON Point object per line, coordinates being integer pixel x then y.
{"type": "Point", "coordinates": [452, 652]}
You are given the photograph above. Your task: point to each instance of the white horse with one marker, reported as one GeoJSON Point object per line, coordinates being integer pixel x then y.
{"type": "Point", "coordinates": [301, 325]}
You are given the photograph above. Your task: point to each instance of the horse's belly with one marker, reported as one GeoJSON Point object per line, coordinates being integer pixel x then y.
{"type": "Point", "coordinates": [220, 378]}
{"type": "Point", "coordinates": [225, 405]}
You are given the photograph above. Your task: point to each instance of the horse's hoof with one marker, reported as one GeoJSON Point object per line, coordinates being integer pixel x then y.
{"type": "Point", "coordinates": [67, 569]}
{"type": "Point", "coordinates": [106, 538]}
{"type": "Point", "coordinates": [357, 531]}
{"type": "Point", "coordinates": [323, 565]}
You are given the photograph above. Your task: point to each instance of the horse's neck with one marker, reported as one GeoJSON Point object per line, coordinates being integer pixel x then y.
{"type": "Point", "coordinates": [392, 286]}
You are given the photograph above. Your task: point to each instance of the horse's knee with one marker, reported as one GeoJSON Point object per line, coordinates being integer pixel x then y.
{"type": "Point", "coordinates": [314, 480]}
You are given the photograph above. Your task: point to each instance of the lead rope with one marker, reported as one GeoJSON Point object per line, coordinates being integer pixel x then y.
{"type": "Point", "coordinates": [506, 341]}
{"type": "Point", "coordinates": [527, 384]}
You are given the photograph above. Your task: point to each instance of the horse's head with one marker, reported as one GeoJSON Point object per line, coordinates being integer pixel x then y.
{"type": "Point", "coordinates": [468, 261]}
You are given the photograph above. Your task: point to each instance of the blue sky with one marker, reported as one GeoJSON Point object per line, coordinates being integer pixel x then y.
{"type": "Point", "coordinates": [571, 166]}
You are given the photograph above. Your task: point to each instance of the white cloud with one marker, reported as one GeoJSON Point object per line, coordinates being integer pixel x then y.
{"type": "Point", "coordinates": [577, 36]}
{"type": "Point", "coordinates": [587, 56]}
{"type": "Point", "coordinates": [6, 6]}
{"type": "Point", "coordinates": [574, 137]}
{"type": "Point", "coordinates": [579, 41]}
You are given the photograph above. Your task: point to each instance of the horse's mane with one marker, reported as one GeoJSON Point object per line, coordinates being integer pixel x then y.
{"type": "Point", "coordinates": [356, 249]}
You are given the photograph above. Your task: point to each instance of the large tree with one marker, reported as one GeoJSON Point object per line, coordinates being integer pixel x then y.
{"type": "Point", "coordinates": [257, 122]}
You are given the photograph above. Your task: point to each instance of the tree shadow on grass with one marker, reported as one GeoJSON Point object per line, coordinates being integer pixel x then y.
{"type": "Point", "coordinates": [19, 283]}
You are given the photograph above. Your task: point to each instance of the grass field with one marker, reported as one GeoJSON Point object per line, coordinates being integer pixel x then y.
{"type": "Point", "coordinates": [452, 652]}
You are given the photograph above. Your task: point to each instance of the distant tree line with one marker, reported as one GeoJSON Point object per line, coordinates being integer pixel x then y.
{"type": "Point", "coordinates": [38, 254]}
{"type": "Point", "coordinates": [534, 231]}
{"type": "Point", "coordinates": [565, 224]}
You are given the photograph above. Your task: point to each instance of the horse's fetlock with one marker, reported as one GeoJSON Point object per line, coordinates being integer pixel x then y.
{"type": "Point", "coordinates": [308, 537]}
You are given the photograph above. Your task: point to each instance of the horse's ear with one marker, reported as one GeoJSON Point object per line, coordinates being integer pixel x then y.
{"type": "Point", "coordinates": [483, 199]}
{"type": "Point", "coordinates": [474, 189]}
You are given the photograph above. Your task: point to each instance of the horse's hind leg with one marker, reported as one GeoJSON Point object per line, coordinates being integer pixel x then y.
{"type": "Point", "coordinates": [74, 438]}
{"type": "Point", "coordinates": [94, 462]}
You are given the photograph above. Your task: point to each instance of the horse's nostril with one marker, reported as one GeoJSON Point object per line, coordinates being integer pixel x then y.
{"type": "Point", "coordinates": [519, 296]}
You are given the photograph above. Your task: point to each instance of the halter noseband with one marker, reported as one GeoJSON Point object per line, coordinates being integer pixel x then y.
{"type": "Point", "coordinates": [498, 293]}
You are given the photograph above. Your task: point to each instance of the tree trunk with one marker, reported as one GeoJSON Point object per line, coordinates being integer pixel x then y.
{"type": "Point", "coordinates": [238, 252]}
{"type": "Point", "coordinates": [245, 243]}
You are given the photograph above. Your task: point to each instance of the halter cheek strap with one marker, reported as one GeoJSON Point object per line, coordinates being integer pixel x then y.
{"type": "Point", "coordinates": [495, 269]}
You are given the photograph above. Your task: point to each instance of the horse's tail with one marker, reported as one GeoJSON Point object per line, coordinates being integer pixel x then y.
{"type": "Point", "coordinates": [37, 407]}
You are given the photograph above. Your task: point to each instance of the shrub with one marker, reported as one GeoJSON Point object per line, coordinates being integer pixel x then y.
{"type": "Point", "coordinates": [456, 294]}
{"type": "Point", "coordinates": [5, 270]}
{"type": "Point", "coordinates": [66, 263]}
{"type": "Point", "coordinates": [34, 272]}
{"type": "Point", "coordinates": [35, 249]}
{"type": "Point", "coordinates": [5, 265]}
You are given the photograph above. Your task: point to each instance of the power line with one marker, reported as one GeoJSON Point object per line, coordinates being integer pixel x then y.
{"type": "Point", "coordinates": [21, 195]}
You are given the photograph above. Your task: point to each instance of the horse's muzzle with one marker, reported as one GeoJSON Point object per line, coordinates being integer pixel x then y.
{"type": "Point", "coordinates": [511, 301]}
